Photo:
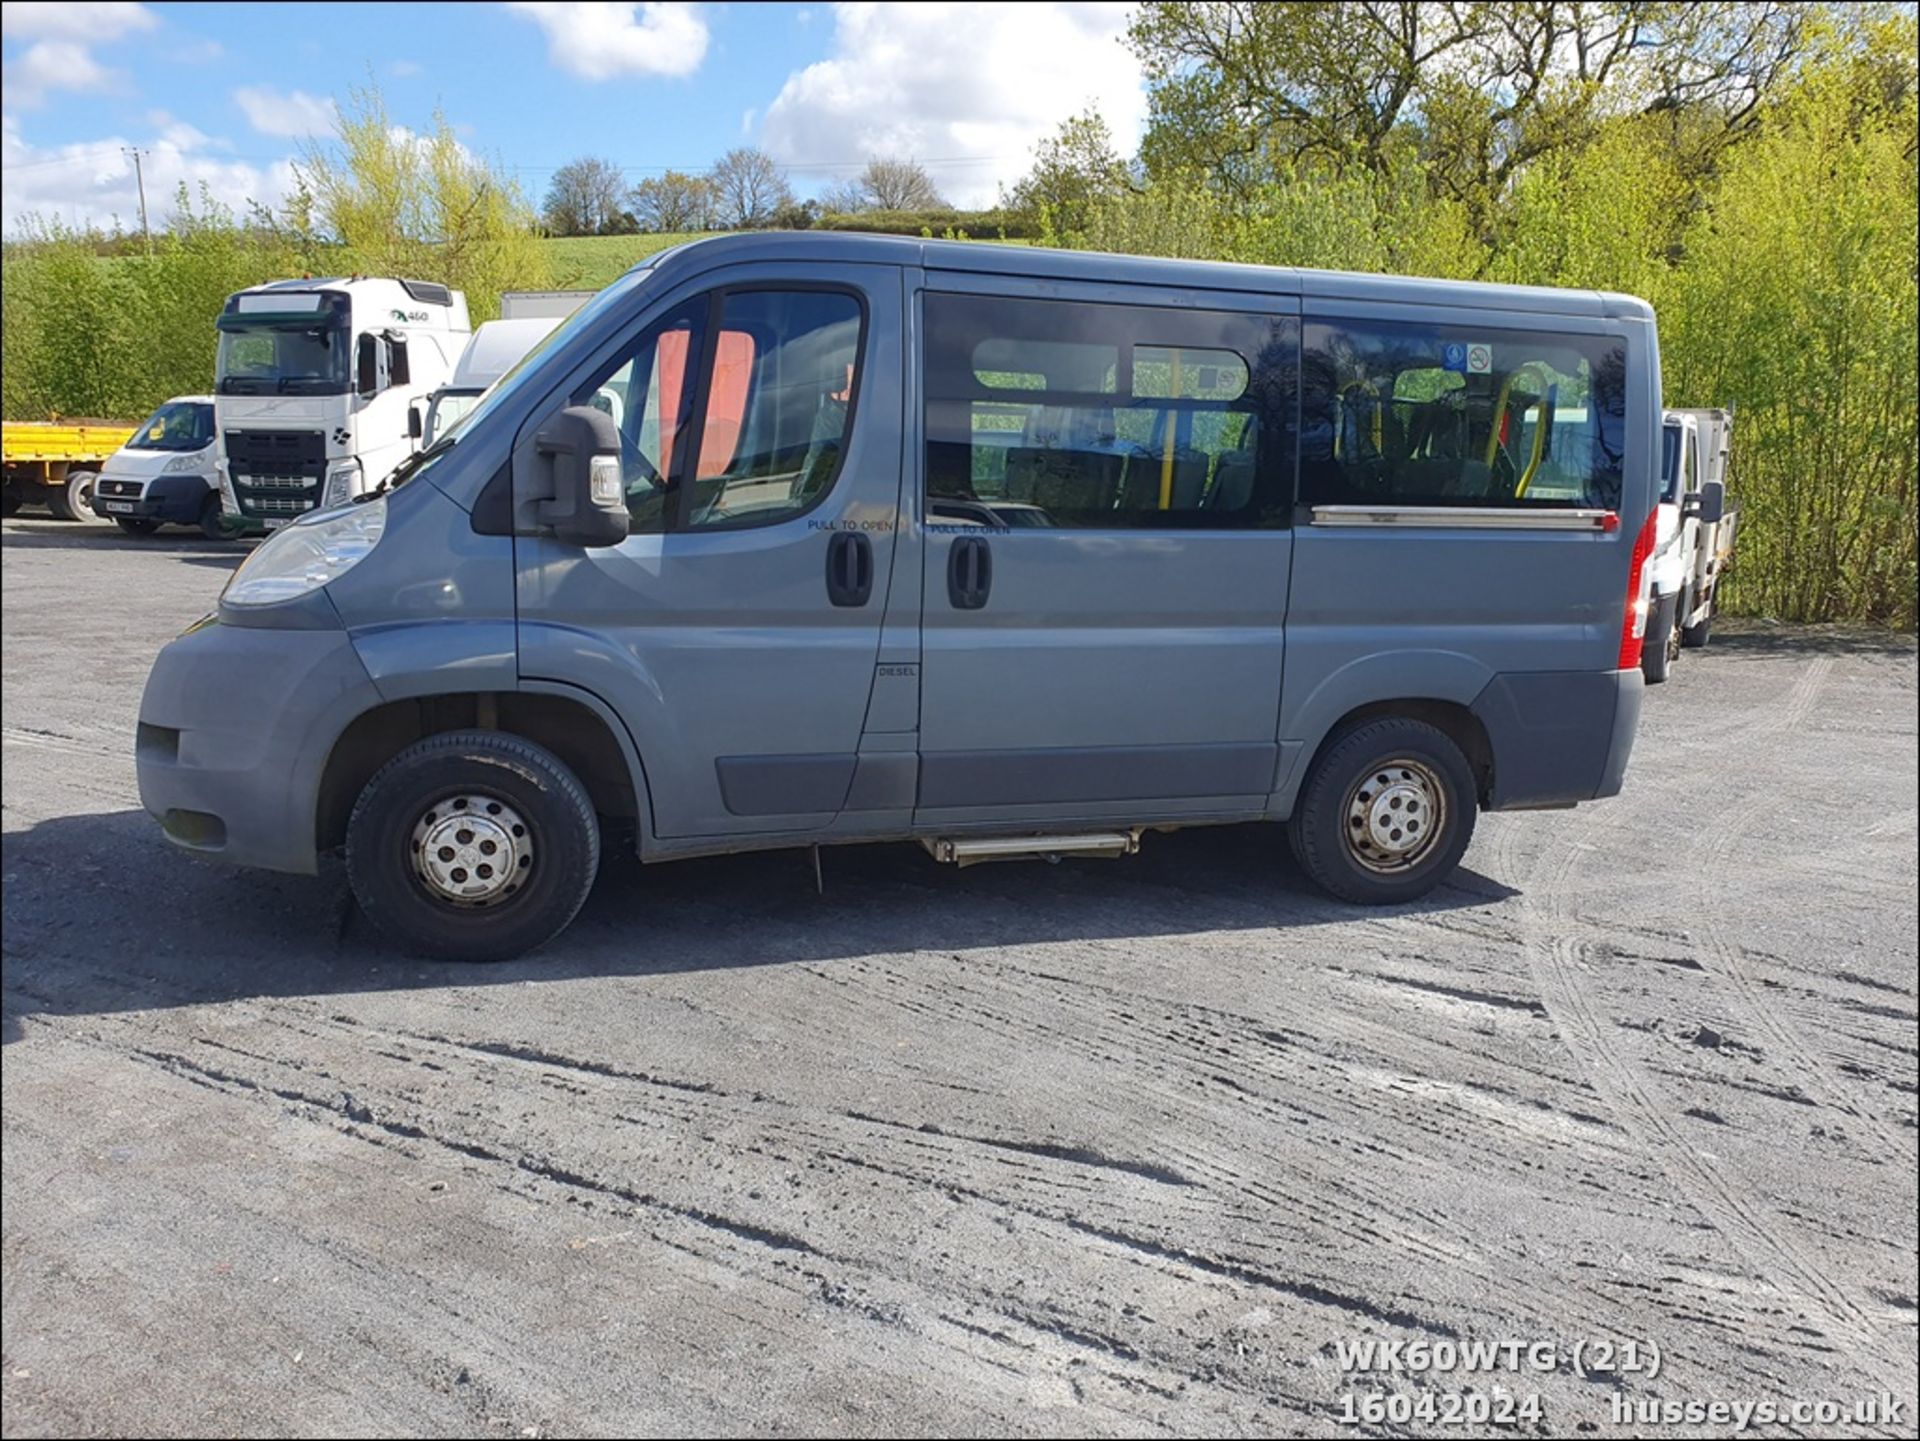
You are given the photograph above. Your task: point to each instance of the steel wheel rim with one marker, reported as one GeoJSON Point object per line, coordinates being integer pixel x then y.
{"type": "Point", "coordinates": [471, 850]}
{"type": "Point", "coordinates": [1394, 816]}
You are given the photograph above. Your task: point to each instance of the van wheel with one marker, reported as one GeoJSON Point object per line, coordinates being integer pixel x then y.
{"type": "Point", "coordinates": [1386, 813]}
{"type": "Point", "coordinates": [472, 846]}
{"type": "Point", "coordinates": [74, 500]}
{"type": "Point", "coordinates": [1657, 652]}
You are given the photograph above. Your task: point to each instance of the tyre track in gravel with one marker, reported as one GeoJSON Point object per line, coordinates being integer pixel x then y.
{"type": "Point", "coordinates": [810, 1269]}
{"type": "Point", "coordinates": [1558, 947]}
{"type": "Point", "coordinates": [1709, 857]}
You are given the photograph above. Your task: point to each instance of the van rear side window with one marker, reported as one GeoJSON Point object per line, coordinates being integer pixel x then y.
{"type": "Point", "coordinates": [1056, 414]}
{"type": "Point", "coordinates": [1438, 415]}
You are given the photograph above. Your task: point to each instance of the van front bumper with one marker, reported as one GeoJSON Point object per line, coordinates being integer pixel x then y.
{"type": "Point", "coordinates": [1559, 737]}
{"type": "Point", "coordinates": [236, 725]}
{"type": "Point", "coordinates": [164, 498]}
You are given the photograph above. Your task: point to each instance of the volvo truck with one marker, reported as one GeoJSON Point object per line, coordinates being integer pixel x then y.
{"type": "Point", "coordinates": [315, 384]}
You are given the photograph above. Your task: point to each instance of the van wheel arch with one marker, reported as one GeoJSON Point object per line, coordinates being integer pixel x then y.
{"type": "Point", "coordinates": [572, 729]}
{"type": "Point", "coordinates": [1459, 724]}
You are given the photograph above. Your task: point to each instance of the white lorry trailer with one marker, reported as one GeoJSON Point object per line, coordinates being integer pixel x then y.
{"type": "Point", "coordinates": [1693, 541]}
{"type": "Point", "coordinates": [315, 385]}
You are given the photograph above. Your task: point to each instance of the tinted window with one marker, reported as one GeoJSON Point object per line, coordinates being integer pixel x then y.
{"type": "Point", "coordinates": [1438, 415]}
{"type": "Point", "coordinates": [775, 397]}
{"type": "Point", "coordinates": [779, 404]}
{"type": "Point", "coordinates": [1047, 413]}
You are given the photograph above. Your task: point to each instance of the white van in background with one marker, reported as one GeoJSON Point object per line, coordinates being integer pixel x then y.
{"type": "Point", "coordinates": [164, 474]}
{"type": "Point", "coordinates": [315, 386]}
{"type": "Point", "coordinates": [1693, 541]}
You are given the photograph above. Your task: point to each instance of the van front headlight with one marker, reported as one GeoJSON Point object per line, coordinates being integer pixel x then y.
{"type": "Point", "coordinates": [321, 546]}
{"type": "Point", "coordinates": [181, 464]}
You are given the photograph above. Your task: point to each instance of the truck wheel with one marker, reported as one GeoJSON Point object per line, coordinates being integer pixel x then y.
{"type": "Point", "coordinates": [1656, 654]}
{"type": "Point", "coordinates": [473, 846]}
{"type": "Point", "coordinates": [1694, 637]}
{"type": "Point", "coordinates": [73, 501]}
{"type": "Point", "coordinates": [134, 526]}
{"type": "Point", "coordinates": [9, 502]}
{"type": "Point", "coordinates": [1386, 813]}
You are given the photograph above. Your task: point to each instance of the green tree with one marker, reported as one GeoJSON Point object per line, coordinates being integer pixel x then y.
{"type": "Point", "coordinates": [1075, 168]}
{"type": "Point", "coordinates": [422, 206]}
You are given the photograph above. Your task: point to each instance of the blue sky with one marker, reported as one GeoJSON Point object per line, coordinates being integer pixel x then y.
{"type": "Point", "coordinates": [227, 93]}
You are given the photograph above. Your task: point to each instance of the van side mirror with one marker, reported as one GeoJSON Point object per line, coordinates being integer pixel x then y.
{"type": "Point", "coordinates": [416, 427]}
{"type": "Point", "coordinates": [588, 505]}
{"type": "Point", "coordinates": [1709, 503]}
{"type": "Point", "coordinates": [367, 366]}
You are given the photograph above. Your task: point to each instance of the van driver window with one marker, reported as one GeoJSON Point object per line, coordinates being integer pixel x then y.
{"type": "Point", "coordinates": [778, 401]}
{"type": "Point", "coordinates": [1060, 414]}
{"type": "Point", "coordinates": [1396, 414]}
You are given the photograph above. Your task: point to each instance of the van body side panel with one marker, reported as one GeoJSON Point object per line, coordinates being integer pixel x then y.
{"type": "Point", "coordinates": [745, 688]}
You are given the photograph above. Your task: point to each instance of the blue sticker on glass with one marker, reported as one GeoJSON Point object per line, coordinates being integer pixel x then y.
{"type": "Point", "coordinates": [1453, 356]}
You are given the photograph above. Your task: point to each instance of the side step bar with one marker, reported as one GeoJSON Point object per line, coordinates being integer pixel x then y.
{"type": "Point", "coordinates": [971, 850]}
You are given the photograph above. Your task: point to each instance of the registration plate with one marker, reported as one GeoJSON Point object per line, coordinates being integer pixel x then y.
{"type": "Point", "coordinates": [274, 522]}
{"type": "Point", "coordinates": [120, 507]}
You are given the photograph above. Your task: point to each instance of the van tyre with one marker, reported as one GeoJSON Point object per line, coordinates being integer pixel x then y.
{"type": "Point", "coordinates": [1386, 813]}
{"type": "Point", "coordinates": [1657, 651]}
{"type": "Point", "coordinates": [74, 500]}
{"type": "Point", "coordinates": [472, 846]}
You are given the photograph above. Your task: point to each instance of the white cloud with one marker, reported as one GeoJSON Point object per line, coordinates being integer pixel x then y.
{"type": "Point", "coordinates": [600, 41]}
{"type": "Point", "coordinates": [50, 65]}
{"type": "Point", "coordinates": [295, 113]}
{"type": "Point", "coordinates": [59, 57]}
{"type": "Point", "coordinates": [967, 90]}
{"type": "Point", "coordinates": [73, 20]}
{"type": "Point", "coordinates": [405, 69]}
{"type": "Point", "coordinates": [92, 182]}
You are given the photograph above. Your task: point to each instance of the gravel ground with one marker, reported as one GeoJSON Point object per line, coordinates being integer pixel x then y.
{"type": "Point", "coordinates": [1114, 1147]}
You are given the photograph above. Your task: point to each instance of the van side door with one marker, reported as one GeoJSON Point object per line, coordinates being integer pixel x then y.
{"type": "Point", "coordinates": [735, 631]}
{"type": "Point", "coordinates": [1108, 489]}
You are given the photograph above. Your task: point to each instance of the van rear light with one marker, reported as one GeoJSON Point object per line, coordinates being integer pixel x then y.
{"type": "Point", "coordinates": [1633, 628]}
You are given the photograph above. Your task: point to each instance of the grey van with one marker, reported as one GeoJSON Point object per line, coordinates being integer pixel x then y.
{"type": "Point", "coordinates": [788, 540]}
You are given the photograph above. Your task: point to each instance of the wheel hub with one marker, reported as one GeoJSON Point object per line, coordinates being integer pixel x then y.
{"type": "Point", "coordinates": [472, 850]}
{"type": "Point", "coordinates": [1394, 814]}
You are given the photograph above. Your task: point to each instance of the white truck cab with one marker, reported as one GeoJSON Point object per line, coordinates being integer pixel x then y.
{"type": "Point", "coordinates": [315, 384]}
{"type": "Point", "coordinates": [1693, 536]}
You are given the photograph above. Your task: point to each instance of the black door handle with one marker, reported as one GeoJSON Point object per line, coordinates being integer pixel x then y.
{"type": "Point", "coordinates": [969, 572]}
{"type": "Point", "coordinates": [849, 568]}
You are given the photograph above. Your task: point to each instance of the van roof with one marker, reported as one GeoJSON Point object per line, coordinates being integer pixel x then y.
{"type": "Point", "coordinates": [986, 258]}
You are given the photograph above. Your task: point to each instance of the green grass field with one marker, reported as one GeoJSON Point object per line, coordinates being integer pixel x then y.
{"type": "Point", "coordinates": [590, 262]}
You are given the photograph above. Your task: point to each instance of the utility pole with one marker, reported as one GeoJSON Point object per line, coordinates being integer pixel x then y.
{"type": "Point", "coordinates": [140, 179]}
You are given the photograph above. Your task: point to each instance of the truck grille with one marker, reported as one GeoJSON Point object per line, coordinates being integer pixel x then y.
{"type": "Point", "coordinates": [276, 472]}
